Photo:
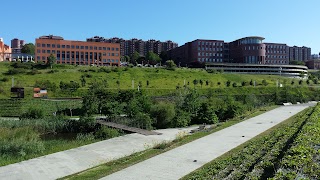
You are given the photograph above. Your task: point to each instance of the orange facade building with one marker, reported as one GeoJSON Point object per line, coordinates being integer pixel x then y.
{"type": "Point", "coordinates": [5, 51]}
{"type": "Point", "coordinates": [77, 52]}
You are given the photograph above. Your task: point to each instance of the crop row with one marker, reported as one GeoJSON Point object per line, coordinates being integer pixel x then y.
{"type": "Point", "coordinates": [302, 160]}
{"type": "Point", "coordinates": [257, 158]}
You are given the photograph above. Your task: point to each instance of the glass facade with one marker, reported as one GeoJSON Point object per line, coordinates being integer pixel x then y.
{"type": "Point", "coordinates": [251, 41]}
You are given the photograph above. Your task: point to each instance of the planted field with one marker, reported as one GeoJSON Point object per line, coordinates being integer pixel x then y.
{"type": "Point", "coordinates": [288, 152]}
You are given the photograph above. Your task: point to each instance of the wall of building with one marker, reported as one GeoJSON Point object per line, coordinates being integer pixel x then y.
{"type": "Point", "coordinates": [5, 52]}
{"type": "Point", "coordinates": [77, 52]}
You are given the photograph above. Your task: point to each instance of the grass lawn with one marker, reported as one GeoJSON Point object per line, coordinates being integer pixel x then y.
{"type": "Point", "coordinates": [158, 78]}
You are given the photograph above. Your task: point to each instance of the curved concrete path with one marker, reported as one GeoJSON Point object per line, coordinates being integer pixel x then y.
{"type": "Point", "coordinates": [68, 162]}
{"type": "Point", "coordinates": [180, 161]}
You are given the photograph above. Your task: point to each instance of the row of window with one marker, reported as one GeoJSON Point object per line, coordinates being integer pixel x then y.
{"type": "Point", "coordinates": [275, 62]}
{"type": "Point", "coordinates": [77, 59]}
{"type": "Point", "coordinates": [209, 60]}
{"type": "Point", "coordinates": [279, 52]}
{"type": "Point", "coordinates": [272, 56]}
{"type": "Point", "coordinates": [251, 59]}
{"type": "Point", "coordinates": [209, 54]}
{"type": "Point", "coordinates": [276, 47]}
{"type": "Point", "coordinates": [209, 49]}
{"type": "Point", "coordinates": [252, 48]}
{"type": "Point", "coordinates": [74, 52]}
{"type": "Point", "coordinates": [76, 47]}
{"type": "Point", "coordinates": [210, 43]}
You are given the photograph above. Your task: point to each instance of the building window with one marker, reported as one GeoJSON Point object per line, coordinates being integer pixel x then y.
{"type": "Point", "coordinates": [86, 47]}
{"type": "Point", "coordinates": [100, 48]}
{"type": "Point", "coordinates": [38, 51]}
{"type": "Point", "coordinates": [95, 47]}
{"type": "Point", "coordinates": [72, 46]}
{"type": "Point", "coordinates": [48, 51]}
{"type": "Point", "coordinates": [77, 47]}
{"type": "Point", "coordinates": [38, 58]}
{"type": "Point", "coordinates": [117, 49]}
{"type": "Point", "coordinates": [104, 48]}
{"type": "Point", "coordinates": [58, 45]}
{"type": "Point", "coordinates": [43, 51]}
{"type": "Point", "coordinates": [38, 45]}
{"type": "Point", "coordinates": [68, 46]}
{"type": "Point", "coordinates": [91, 47]}
{"type": "Point", "coordinates": [82, 47]}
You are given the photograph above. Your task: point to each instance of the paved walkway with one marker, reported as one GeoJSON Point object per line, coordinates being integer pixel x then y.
{"type": "Point", "coordinates": [68, 162]}
{"type": "Point", "coordinates": [179, 162]}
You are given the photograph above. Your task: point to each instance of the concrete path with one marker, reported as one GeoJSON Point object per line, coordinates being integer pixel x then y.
{"type": "Point", "coordinates": [180, 161]}
{"type": "Point", "coordinates": [68, 162]}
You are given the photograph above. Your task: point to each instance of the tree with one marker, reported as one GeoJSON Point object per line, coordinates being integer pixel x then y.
{"type": "Point", "coordinates": [228, 83]}
{"type": "Point", "coordinates": [206, 114]}
{"type": "Point", "coordinates": [51, 60]}
{"type": "Point", "coordinates": [127, 58]}
{"type": "Point", "coordinates": [201, 83]}
{"type": "Point", "coordinates": [118, 84]}
{"type": "Point", "coordinates": [134, 58]}
{"type": "Point", "coordinates": [163, 113]}
{"type": "Point", "coordinates": [153, 58]}
{"type": "Point", "coordinates": [207, 83]}
{"type": "Point", "coordinates": [251, 83]}
{"type": "Point", "coordinates": [195, 82]}
{"type": "Point", "coordinates": [28, 49]}
{"type": "Point", "coordinates": [300, 82]}
{"type": "Point", "coordinates": [83, 80]}
{"type": "Point", "coordinates": [234, 84]}
{"type": "Point", "coordinates": [164, 56]}
{"type": "Point", "coordinates": [170, 65]}
{"type": "Point", "coordinates": [147, 83]}
{"type": "Point", "coordinates": [308, 82]}
{"type": "Point", "coordinates": [295, 62]}
{"type": "Point", "coordinates": [315, 81]}
{"type": "Point", "coordinates": [264, 82]}
{"type": "Point", "coordinates": [292, 82]}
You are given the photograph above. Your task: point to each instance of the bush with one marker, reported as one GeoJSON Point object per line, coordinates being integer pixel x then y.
{"type": "Point", "coordinates": [4, 79]}
{"type": "Point", "coordinates": [163, 113]}
{"type": "Point", "coordinates": [182, 119]}
{"type": "Point", "coordinates": [53, 71]}
{"type": "Point", "coordinates": [85, 137]}
{"type": "Point", "coordinates": [105, 133]}
{"type": "Point", "coordinates": [33, 72]}
{"type": "Point", "coordinates": [32, 113]}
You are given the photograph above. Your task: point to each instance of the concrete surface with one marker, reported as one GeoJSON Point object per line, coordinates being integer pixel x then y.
{"type": "Point", "coordinates": [180, 161]}
{"type": "Point", "coordinates": [68, 162]}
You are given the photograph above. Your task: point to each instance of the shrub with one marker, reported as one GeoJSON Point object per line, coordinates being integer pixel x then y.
{"type": "Point", "coordinates": [32, 113]}
{"type": "Point", "coordinates": [143, 120]}
{"type": "Point", "coordinates": [105, 133]}
{"type": "Point", "coordinates": [163, 113]}
{"type": "Point", "coordinates": [182, 119]}
{"type": "Point", "coordinates": [5, 79]}
{"type": "Point", "coordinates": [53, 71]}
{"type": "Point", "coordinates": [85, 137]}
{"type": "Point", "coordinates": [33, 72]}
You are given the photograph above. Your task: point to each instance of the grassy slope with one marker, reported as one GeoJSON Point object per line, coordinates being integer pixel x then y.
{"type": "Point", "coordinates": [158, 78]}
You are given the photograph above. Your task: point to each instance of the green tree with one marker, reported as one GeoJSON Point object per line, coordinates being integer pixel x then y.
{"type": "Point", "coordinates": [170, 64]}
{"type": "Point", "coordinates": [234, 84]}
{"type": "Point", "coordinates": [83, 80]}
{"type": "Point", "coordinates": [251, 83]}
{"type": "Point", "coordinates": [164, 56]}
{"type": "Point", "coordinates": [182, 119]}
{"type": "Point", "coordinates": [201, 82]}
{"type": "Point", "coordinates": [51, 60]}
{"type": "Point", "coordinates": [195, 82]}
{"type": "Point", "coordinates": [300, 82]}
{"type": "Point", "coordinates": [207, 83]}
{"type": "Point", "coordinates": [315, 81]}
{"type": "Point", "coordinates": [264, 82]}
{"type": "Point", "coordinates": [206, 114]}
{"type": "Point", "coordinates": [292, 82]}
{"type": "Point", "coordinates": [163, 113]}
{"type": "Point", "coordinates": [134, 58]}
{"type": "Point", "coordinates": [28, 49]}
{"type": "Point", "coordinates": [308, 82]}
{"type": "Point", "coordinates": [152, 58]}
{"type": "Point", "coordinates": [228, 83]}
{"type": "Point", "coordinates": [118, 84]}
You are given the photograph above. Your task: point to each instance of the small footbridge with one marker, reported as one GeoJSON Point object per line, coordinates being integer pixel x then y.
{"type": "Point", "coordinates": [126, 128]}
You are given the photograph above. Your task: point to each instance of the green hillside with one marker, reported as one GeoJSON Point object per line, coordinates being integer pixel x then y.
{"type": "Point", "coordinates": [158, 79]}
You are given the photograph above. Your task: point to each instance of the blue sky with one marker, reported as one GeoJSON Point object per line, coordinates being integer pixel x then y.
{"type": "Point", "coordinates": [294, 22]}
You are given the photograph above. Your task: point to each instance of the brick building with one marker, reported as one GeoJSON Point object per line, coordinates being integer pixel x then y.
{"type": "Point", "coordinates": [128, 47]}
{"type": "Point", "coordinates": [77, 52]}
{"type": "Point", "coordinates": [16, 45]}
{"type": "Point", "coordinates": [5, 51]}
{"type": "Point", "coordinates": [248, 50]}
